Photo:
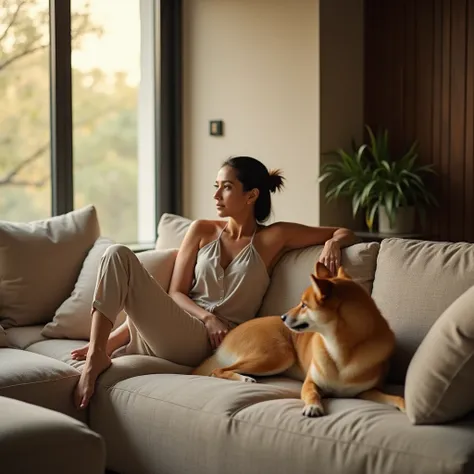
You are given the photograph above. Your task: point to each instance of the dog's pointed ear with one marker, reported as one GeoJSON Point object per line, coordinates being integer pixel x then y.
{"type": "Point", "coordinates": [322, 287]}
{"type": "Point", "coordinates": [341, 273]}
{"type": "Point", "coordinates": [321, 271]}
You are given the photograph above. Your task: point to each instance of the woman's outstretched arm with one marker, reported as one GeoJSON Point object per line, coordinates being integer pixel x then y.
{"type": "Point", "coordinates": [295, 236]}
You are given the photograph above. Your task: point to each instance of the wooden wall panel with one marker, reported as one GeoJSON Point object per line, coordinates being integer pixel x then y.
{"type": "Point", "coordinates": [469, 152]}
{"type": "Point", "coordinates": [419, 83]}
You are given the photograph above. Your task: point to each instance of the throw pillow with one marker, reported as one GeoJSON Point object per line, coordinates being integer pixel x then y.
{"type": "Point", "coordinates": [442, 369]}
{"type": "Point", "coordinates": [171, 231]}
{"type": "Point", "coordinates": [40, 262]}
{"type": "Point", "coordinates": [160, 264]}
{"type": "Point", "coordinates": [73, 318]}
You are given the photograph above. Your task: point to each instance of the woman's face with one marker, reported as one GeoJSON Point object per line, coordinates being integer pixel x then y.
{"type": "Point", "coordinates": [231, 200]}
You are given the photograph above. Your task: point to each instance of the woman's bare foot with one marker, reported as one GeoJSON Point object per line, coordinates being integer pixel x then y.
{"type": "Point", "coordinates": [81, 353]}
{"type": "Point", "coordinates": [96, 363]}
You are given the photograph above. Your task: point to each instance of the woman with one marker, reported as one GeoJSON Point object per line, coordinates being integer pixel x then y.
{"type": "Point", "coordinates": [219, 279]}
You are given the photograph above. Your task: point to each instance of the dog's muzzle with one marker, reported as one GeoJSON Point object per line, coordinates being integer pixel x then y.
{"type": "Point", "coordinates": [293, 324]}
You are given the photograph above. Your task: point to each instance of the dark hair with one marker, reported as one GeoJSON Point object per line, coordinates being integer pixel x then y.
{"type": "Point", "coordinates": [254, 174]}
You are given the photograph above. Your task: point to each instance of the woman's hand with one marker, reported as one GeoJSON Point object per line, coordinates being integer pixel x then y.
{"type": "Point", "coordinates": [331, 255]}
{"type": "Point", "coordinates": [216, 330]}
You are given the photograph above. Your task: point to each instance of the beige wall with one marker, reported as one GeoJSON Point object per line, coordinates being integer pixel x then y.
{"type": "Point", "coordinates": [255, 64]}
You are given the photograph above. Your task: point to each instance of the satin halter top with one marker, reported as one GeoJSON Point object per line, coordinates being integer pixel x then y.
{"type": "Point", "coordinates": [235, 294]}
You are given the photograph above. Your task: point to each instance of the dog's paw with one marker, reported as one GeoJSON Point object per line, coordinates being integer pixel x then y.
{"type": "Point", "coordinates": [313, 410]}
{"type": "Point", "coordinates": [247, 379]}
{"type": "Point", "coordinates": [401, 404]}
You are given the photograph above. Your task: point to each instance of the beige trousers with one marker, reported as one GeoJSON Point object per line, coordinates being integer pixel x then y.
{"type": "Point", "coordinates": [158, 326]}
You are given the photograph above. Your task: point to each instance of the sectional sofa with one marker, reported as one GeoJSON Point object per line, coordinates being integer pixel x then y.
{"type": "Point", "coordinates": [151, 416]}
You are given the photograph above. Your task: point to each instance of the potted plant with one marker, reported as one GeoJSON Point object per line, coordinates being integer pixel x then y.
{"type": "Point", "coordinates": [391, 188]}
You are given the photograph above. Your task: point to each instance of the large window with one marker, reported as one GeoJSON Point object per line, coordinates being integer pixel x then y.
{"type": "Point", "coordinates": [25, 184]}
{"type": "Point", "coordinates": [105, 85]}
{"type": "Point", "coordinates": [107, 111]}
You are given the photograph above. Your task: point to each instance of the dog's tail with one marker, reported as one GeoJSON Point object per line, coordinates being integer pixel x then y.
{"type": "Point", "coordinates": [207, 366]}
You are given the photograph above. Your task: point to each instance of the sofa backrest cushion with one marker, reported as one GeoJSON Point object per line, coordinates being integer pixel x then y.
{"type": "Point", "coordinates": [40, 262]}
{"type": "Point", "coordinates": [72, 319]}
{"type": "Point", "coordinates": [171, 231]}
{"type": "Point", "coordinates": [291, 274]}
{"type": "Point", "coordinates": [415, 281]}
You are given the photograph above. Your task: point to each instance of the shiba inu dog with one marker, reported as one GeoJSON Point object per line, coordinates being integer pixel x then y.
{"type": "Point", "coordinates": [335, 337]}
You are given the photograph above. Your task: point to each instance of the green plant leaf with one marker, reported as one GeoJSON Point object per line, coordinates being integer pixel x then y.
{"type": "Point", "coordinates": [390, 207]}
{"type": "Point", "coordinates": [386, 165]}
{"type": "Point", "coordinates": [370, 214]}
{"type": "Point", "coordinates": [367, 190]}
{"type": "Point", "coordinates": [373, 178]}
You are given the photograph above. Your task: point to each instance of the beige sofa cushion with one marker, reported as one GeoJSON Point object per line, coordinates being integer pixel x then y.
{"type": "Point", "coordinates": [442, 369]}
{"type": "Point", "coordinates": [171, 231]}
{"type": "Point", "coordinates": [40, 262]}
{"type": "Point", "coordinates": [39, 380]}
{"type": "Point", "coordinates": [59, 349]}
{"type": "Point", "coordinates": [73, 318]}
{"type": "Point", "coordinates": [3, 338]}
{"type": "Point", "coordinates": [415, 281]}
{"type": "Point", "coordinates": [292, 274]}
{"type": "Point", "coordinates": [255, 428]}
{"type": "Point", "coordinates": [36, 440]}
{"type": "Point", "coordinates": [123, 366]}
{"type": "Point", "coordinates": [22, 337]}
{"type": "Point", "coordinates": [160, 264]}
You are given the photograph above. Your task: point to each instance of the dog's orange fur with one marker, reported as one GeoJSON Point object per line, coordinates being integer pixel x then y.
{"type": "Point", "coordinates": [336, 336]}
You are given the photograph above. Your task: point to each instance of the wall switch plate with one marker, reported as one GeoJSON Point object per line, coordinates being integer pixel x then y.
{"type": "Point", "coordinates": [216, 128]}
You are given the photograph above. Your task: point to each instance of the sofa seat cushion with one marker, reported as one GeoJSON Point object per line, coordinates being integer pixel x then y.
{"type": "Point", "coordinates": [23, 336]}
{"type": "Point", "coordinates": [355, 436]}
{"type": "Point", "coordinates": [172, 422]}
{"type": "Point", "coordinates": [3, 338]}
{"type": "Point", "coordinates": [34, 439]}
{"type": "Point", "coordinates": [39, 380]}
{"type": "Point", "coordinates": [143, 408]}
{"type": "Point", "coordinates": [123, 366]}
{"type": "Point", "coordinates": [59, 349]}
{"type": "Point", "coordinates": [414, 283]}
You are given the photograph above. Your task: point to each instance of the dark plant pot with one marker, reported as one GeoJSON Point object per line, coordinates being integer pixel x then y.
{"type": "Point", "coordinates": [404, 221]}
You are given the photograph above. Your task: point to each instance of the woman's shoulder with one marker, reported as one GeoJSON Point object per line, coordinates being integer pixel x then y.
{"type": "Point", "coordinates": [274, 229]}
{"type": "Point", "coordinates": [205, 228]}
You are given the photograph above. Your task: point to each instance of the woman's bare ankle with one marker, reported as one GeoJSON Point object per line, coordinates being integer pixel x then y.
{"type": "Point", "coordinates": [97, 354]}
